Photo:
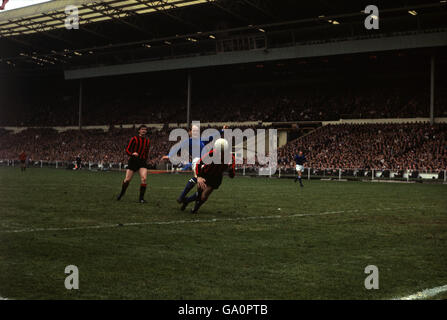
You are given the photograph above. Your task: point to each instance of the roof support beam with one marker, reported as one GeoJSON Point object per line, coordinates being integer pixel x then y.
{"type": "Point", "coordinates": [164, 11]}
{"type": "Point", "coordinates": [46, 33]}
{"type": "Point", "coordinates": [55, 17]}
{"type": "Point", "coordinates": [257, 5]}
{"type": "Point", "coordinates": [234, 14]}
{"type": "Point", "coordinates": [105, 9]}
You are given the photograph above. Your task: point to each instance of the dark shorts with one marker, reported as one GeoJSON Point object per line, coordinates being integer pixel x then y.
{"type": "Point", "coordinates": [213, 181]}
{"type": "Point", "coordinates": [136, 164]}
{"type": "Point", "coordinates": [22, 161]}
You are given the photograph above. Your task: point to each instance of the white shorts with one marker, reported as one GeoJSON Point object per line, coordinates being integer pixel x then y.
{"type": "Point", "coordinates": [193, 164]}
{"type": "Point", "coordinates": [299, 168]}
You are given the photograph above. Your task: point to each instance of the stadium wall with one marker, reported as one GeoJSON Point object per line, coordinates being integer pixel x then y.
{"type": "Point", "coordinates": [159, 126]}
{"type": "Point", "coordinates": [384, 121]}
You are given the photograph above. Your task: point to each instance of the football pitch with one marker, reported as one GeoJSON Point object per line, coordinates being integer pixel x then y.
{"type": "Point", "coordinates": [256, 238]}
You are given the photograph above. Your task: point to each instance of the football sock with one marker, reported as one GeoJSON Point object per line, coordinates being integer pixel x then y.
{"type": "Point", "coordinates": [191, 183]}
{"type": "Point", "coordinates": [142, 191]}
{"type": "Point", "coordinates": [299, 179]}
{"type": "Point", "coordinates": [197, 205]}
{"type": "Point", "coordinates": [192, 198]}
{"type": "Point", "coordinates": [198, 202]}
{"type": "Point", "coordinates": [124, 188]}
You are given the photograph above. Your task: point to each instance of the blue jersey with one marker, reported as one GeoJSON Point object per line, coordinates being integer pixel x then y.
{"type": "Point", "coordinates": [194, 145]}
{"type": "Point", "coordinates": [300, 160]}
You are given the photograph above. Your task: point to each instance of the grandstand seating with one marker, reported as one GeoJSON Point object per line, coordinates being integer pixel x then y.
{"type": "Point", "coordinates": [416, 146]}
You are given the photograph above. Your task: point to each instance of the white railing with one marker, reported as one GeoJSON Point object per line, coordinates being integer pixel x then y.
{"type": "Point", "coordinates": [340, 174]}
{"type": "Point", "coordinates": [57, 164]}
{"type": "Point", "coordinates": [366, 174]}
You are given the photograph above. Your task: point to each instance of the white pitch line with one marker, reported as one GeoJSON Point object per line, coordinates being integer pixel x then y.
{"type": "Point", "coordinates": [104, 226]}
{"type": "Point", "coordinates": [425, 294]}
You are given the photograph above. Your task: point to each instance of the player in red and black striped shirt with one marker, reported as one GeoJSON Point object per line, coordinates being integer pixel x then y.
{"type": "Point", "coordinates": [209, 177]}
{"type": "Point", "coordinates": [138, 150]}
{"type": "Point", "coordinates": [22, 157]}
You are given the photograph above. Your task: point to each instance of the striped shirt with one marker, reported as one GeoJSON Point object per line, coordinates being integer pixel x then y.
{"type": "Point", "coordinates": [139, 145]}
{"type": "Point", "coordinates": [213, 169]}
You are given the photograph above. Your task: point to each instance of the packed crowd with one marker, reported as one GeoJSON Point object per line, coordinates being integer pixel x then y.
{"type": "Point", "coordinates": [372, 146]}
{"type": "Point", "coordinates": [260, 104]}
{"type": "Point", "coordinates": [90, 145]}
{"type": "Point", "coordinates": [96, 146]}
{"type": "Point", "coordinates": [368, 146]}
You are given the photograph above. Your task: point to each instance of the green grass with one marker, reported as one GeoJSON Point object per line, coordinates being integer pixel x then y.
{"type": "Point", "coordinates": [400, 228]}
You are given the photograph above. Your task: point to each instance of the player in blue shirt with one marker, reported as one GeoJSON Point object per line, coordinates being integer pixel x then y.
{"type": "Point", "coordinates": [300, 160]}
{"type": "Point", "coordinates": [195, 145]}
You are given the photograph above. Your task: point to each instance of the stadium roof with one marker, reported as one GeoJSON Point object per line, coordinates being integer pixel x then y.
{"type": "Point", "coordinates": [123, 31]}
{"type": "Point", "coordinates": [51, 15]}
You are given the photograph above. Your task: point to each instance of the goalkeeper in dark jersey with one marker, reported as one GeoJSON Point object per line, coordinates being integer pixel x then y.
{"type": "Point", "coordinates": [194, 143]}
{"type": "Point", "coordinates": [210, 175]}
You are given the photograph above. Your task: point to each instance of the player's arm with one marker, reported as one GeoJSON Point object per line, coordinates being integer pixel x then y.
{"type": "Point", "coordinates": [201, 182]}
{"type": "Point", "coordinates": [199, 168]}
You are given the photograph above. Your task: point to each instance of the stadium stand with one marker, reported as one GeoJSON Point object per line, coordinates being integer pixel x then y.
{"type": "Point", "coordinates": [92, 145]}
{"type": "Point", "coordinates": [319, 103]}
{"type": "Point", "coordinates": [419, 147]}
{"type": "Point", "coordinates": [416, 146]}
{"type": "Point", "coordinates": [268, 69]}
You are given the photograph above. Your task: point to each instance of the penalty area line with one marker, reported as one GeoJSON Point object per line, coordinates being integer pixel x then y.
{"type": "Point", "coordinates": [174, 222]}
{"type": "Point", "coordinates": [424, 294]}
